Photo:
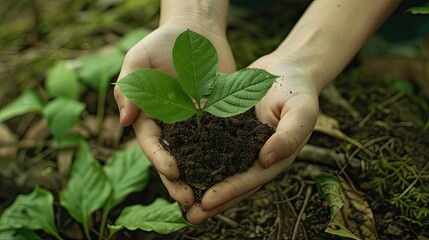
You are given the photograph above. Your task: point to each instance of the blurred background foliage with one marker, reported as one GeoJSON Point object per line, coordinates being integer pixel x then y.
{"type": "Point", "coordinates": [36, 33]}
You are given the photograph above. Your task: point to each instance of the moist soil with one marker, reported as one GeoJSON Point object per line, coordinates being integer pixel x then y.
{"type": "Point", "coordinates": [219, 148]}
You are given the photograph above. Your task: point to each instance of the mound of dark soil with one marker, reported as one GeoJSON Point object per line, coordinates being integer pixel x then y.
{"type": "Point", "coordinates": [220, 148]}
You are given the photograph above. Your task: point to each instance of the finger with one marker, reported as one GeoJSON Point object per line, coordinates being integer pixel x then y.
{"type": "Point", "coordinates": [136, 58]}
{"type": "Point", "coordinates": [148, 134]}
{"type": "Point", "coordinates": [238, 184]}
{"type": "Point", "coordinates": [179, 191]}
{"type": "Point", "coordinates": [196, 214]}
{"type": "Point", "coordinates": [297, 121]}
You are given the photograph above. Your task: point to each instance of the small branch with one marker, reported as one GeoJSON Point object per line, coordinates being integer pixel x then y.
{"type": "Point", "coordinates": [228, 221]}
{"type": "Point", "coordinates": [298, 219]}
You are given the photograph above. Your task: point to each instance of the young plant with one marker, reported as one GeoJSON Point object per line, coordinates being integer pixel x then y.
{"type": "Point", "coordinates": [195, 61]}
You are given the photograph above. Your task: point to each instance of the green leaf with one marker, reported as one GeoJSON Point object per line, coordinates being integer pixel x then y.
{"type": "Point", "coordinates": [32, 211]}
{"type": "Point", "coordinates": [330, 189]}
{"type": "Point", "coordinates": [20, 234]}
{"type": "Point", "coordinates": [87, 189]}
{"type": "Point", "coordinates": [128, 171]}
{"type": "Point", "coordinates": [237, 92]}
{"type": "Point", "coordinates": [158, 94]}
{"type": "Point", "coordinates": [98, 69]}
{"type": "Point", "coordinates": [423, 9]}
{"type": "Point", "coordinates": [61, 114]}
{"type": "Point", "coordinates": [133, 37]}
{"type": "Point", "coordinates": [62, 81]}
{"type": "Point", "coordinates": [28, 101]}
{"type": "Point", "coordinates": [195, 61]}
{"type": "Point", "coordinates": [160, 216]}
{"type": "Point", "coordinates": [71, 140]}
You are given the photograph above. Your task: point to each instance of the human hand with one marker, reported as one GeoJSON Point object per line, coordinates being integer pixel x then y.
{"type": "Point", "coordinates": [291, 107]}
{"type": "Point", "coordinates": [155, 51]}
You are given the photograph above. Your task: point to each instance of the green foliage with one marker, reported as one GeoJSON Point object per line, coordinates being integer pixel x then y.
{"type": "Point", "coordinates": [330, 189]}
{"type": "Point", "coordinates": [392, 181]}
{"type": "Point", "coordinates": [30, 212]}
{"type": "Point", "coordinates": [28, 101]}
{"type": "Point", "coordinates": [19, 234]}
{"type": "Point", "coordinates": [87, 189]}
{"type": "Point", "coordinates": [160, 216]}
{"type": "Point", "coordinates": [128, 171]}
{"type": "Point", "coordinates": [159, 94]}
{"type": "Point", "coordinates": [133, 37]}
{"type": "Point", "coordinates": [62, 82]}
{"type": "Point", "coordinates": [61, 114]}
{"type": "Point", "coordinates": [229, 87]}
{"type": "Point", "coordinates": [423, 9]}
{"type": "Point", "coordinates": [98, 69]}
{"type": "Point", "coordinates": [195, 61]}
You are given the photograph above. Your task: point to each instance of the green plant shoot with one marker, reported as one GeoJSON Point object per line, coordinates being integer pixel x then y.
{"type": "Point", "coordinates": [195, 61]}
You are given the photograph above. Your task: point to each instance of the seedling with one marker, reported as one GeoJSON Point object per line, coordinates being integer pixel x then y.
{"type": "Point", "coordinates": [199, 86]}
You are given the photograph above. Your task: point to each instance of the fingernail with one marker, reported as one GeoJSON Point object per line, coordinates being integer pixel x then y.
{"type": "Point", "coordinates": [270, 158]}
{"type": "Point", "coordinates": [121, 114]}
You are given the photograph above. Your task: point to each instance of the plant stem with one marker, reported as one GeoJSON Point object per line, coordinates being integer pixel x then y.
{"type": "Point", "coordinates": [100, 109]}
{"type": "Point", "coordinates": [86, 230]}
{"type": "Point", "coordinates": [103, 222]}
{"type": "Point", "coordinates": [198, 117]}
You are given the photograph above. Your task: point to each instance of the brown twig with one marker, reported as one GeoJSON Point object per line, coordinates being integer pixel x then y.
{"type": "Point", "coordinates": [228, 221]}
{"type": "Point", "coordinates": [304, 205]}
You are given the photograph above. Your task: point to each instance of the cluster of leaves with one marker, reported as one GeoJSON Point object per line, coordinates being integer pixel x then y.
{"type": "Point", "coordinates": [392, 181]}
{"type": "Point", "coordinates": [65, 82]}
{"type": "Point", "coordinates": [423, 9]}
{"type": "Point", "coordinates": [91, 186]}
{"type": "Point", "coordinates": [195, 60]}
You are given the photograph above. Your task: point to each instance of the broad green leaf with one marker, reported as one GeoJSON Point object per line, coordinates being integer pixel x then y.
{"type": "Point", "coordinates": [128, 171]}
{"type": "Point", "coordinates": [28, 101]}
{"type": "Point", "coordinates": [62, 81]}
{"type": "Point", "coordinates": [20, 234]}
{"type": "Point", "coordinates": [160, 216]}
{"type": "Point", "coordinates": [195, 61]}
{"type": "Point", "coordinates": [423, 9]}
{"type": "Point", "coordinates": [133, 37]}
{"type": "Point", "coordinates": [70, 140]}
{"type": "Point", "coordinates": [237, 92]}
{"type": "Point", "coordinates": [62, 113]}
{"type": "Point", "coordinates": [32, 211]}
{"type": "Point", "coordinates": [98, 69]}
{"type": "Point", "coordinates": [87, 189]}
{"type": "Point", "coordinates": [158, 94]}
{"type": "Point", "coordinates": [330, 189]}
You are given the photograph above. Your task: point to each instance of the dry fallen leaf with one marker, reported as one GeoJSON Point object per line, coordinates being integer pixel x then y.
{"type": "Point", "coordinates": [7, 150]}
{"type": "Point", "coordinates": [351, 215]}
{"type": "Point", "coordinates": [330, 126]}
{"type": "Point", "coordinates": [111, 131]}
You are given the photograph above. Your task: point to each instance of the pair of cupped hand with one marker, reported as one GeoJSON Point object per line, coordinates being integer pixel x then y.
{"type": "Point", "coordinates": [290, 106]}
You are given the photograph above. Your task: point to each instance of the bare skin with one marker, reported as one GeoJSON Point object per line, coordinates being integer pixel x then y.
{"type": "Point", "coordinates": [324, 40]}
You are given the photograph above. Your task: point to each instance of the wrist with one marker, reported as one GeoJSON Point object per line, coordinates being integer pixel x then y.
{"type": "Point", "coordinates": [208, 15]}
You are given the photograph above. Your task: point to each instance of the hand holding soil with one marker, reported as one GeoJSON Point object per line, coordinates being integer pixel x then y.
{"type": "Point", "coordinates": [291, 107]}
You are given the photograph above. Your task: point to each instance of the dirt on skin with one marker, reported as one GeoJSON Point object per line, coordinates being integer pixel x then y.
{"type": "Point", "coordinates": [220, 148]}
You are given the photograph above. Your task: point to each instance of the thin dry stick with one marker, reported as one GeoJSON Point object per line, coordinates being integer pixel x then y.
{"type": "Point", "coordinates": [386, 103]}
{"type": "Point", "coordinates": [298, 219]}
{"type": "Point", "coordinates": [228, 221]}
{"type": "Point", "coordinates": [367, 144]}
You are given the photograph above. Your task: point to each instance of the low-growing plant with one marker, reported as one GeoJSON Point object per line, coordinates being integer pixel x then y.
{"type": "Point", "coordinates": [90, 187]}
{"type": "Point", "coordinates": [199, 86]}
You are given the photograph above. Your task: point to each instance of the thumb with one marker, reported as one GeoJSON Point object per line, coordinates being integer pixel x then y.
{"type": "Point", "coordinates": [292, 132]}
{"type": "Point", "coordinates": [134, 60]}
